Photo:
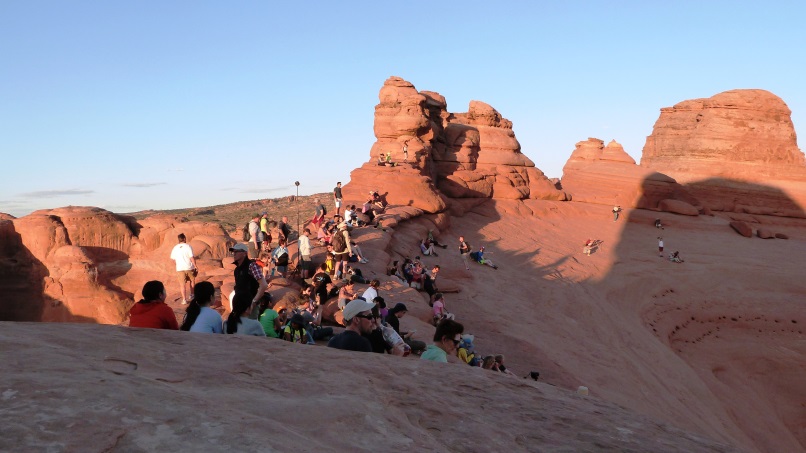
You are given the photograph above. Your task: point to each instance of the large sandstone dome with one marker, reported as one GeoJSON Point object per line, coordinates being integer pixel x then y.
{"type": "Point", "coordinates": [737, 151]}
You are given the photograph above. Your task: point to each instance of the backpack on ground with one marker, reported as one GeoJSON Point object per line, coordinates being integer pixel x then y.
{"type": "Point", "coordinates": [282, 260]}
{"type": "Point", "coordinates": [339, 242]}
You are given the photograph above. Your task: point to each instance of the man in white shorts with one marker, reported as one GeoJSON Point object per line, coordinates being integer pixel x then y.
{"type": "Point", "coordinates": [337, 197]}
{"type": "Point", "coordinates": [186, 271]}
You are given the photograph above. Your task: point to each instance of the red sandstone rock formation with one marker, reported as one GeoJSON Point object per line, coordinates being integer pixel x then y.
{"type": "Point", "coordinates": [463, 155]}
{"type": "Point", "coordinates": [608, 175]}
{"type": "Point", "coordinates": [88, 264]}
{"type": "Point", "coordinates": [737, 151]}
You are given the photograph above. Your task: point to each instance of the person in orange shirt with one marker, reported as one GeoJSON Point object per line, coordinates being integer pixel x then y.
{"type": "Point", "coordinates": [151, 311]}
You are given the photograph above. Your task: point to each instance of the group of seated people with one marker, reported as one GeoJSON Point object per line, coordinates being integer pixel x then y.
{"type": "Point", "coordinates": [467, 353]}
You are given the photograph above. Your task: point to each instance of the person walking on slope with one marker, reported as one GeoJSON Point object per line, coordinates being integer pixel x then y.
{"type": "Point", "coordinates": [464, 251]}
{"type": "Point", "coordinates": [616, 211]}
{"type": "Point", "coordinates": [186, 270]}
{"type": "Point", "coordinates": [660, 246]}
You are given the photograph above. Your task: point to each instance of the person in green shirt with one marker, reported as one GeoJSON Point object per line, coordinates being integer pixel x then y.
{"type": "Point", "coordinates": [446, 339]}
{"type": "Point", "coordinates": [270, 320]}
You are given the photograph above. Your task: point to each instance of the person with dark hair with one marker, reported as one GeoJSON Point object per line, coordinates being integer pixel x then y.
{"type": "Point", "coordinates": [359, 320]}
{"type": "Point", "coordinates": [337, 196]}
{"type": "Point", "coordinates": [393, 320]}
{"type": "Point", "coordinates": [295, 330]}
{"type": "Point", "coordinates": [199, 317]}
{"type": "Point", "coordinates": [238, 321]}
{"type": "Point", "coordinates": [321, 284]}
{"type": "Point", "coordinates": [446, 339]}
{"type": "Point", "coordinates": [151, 311]}
{"type": "Point", "coordinates": [430, 282]}
{"type": "Point", "coordinates": [182, 254]}
{"type": "Point", "coordinates": [304, 250]}
{"type": "Point", "coordinates": [280, 258]}
{"type": "Point", "coordinates": [271, 322]}
{"type": "Point", "coordinates": [284, 228]}
{"type": "Point", "coordinates": [375, 336]}
{"type": "Point", "coordinates": [372, 292]}
{"type": "Point", "coordinates": [464, 251]}
{"type": "Point", "coordinates": [249, 278]}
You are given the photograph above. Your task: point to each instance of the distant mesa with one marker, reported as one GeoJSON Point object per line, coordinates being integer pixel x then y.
{"type": "Point", "coordinates": [449, 155]}
{"type": "Point", "coordinates": [735, 151]}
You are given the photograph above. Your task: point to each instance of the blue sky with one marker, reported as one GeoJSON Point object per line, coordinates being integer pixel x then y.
{"type": "Point", "coordinates": [153, 104]}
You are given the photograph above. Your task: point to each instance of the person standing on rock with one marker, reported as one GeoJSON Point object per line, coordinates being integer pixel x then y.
{"type": "Point", "coordinates": [337, 197]}
{"type": "Point", "coordinates": [304, 248]}
{"type": "Point", "coordinates": [464, 251]}
{"type": "Point", "coordinates": [249, 278]}
{"type": "Point", "coordinates": [406, 151]}
{"type": "Point", "coordinates": [660, 246]}
{"type": "Point", "coordinates": [255, 236]}
{"type": "Point", "coordinates": [319, 213]}
{"type": "Point", "coordinates": [616, 211]}
{"type": "Point", "coordinates": [264, 226]}
{"type": "Point", "coordinates": [341, 249]}
{"type": "Point", "coordinates": [182, 254]}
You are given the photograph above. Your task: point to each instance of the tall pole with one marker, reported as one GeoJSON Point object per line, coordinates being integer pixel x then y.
{"type": "Point", "coordinates": [296, 202]}
{"type": "Point", "coordinates": [299, 233]}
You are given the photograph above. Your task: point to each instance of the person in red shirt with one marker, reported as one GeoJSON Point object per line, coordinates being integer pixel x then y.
{"type": "Point", "coordinates": [151, 311]}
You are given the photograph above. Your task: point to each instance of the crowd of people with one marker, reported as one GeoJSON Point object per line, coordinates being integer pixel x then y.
{"type": "Point", "coordinates": [369, 325]}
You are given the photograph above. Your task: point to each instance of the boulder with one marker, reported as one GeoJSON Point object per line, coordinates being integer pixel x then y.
{"type": "Point", "coordinates": [781, 236]}
{"type": "Point", "coordinates": [764, 233]}
{"type": "Point", "coordinates": [678, 207]}
{"type": "Point", "coordinates": [742, 228]}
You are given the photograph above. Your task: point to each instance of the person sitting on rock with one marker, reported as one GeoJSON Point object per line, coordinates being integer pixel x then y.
{"type": "Point", "coordinates": [238, 321]}
{"type": "Point", "coordinates": [588, 247]}
{"type": "Point", "coordinates": [417, 272]}
{"type": "Point", "coordinates": [675, 257]}
{"type": "Point", "coordinates": [323, 235]}
{"type": "Point", "coordinates": [479, 258]}
{"type": "Point", "coordinates": [433, 240]}
{"type": "Point", "coordinates": [199, 317]}
{"type": "Point", "coordinates": [346, 293]}
{"type": "Point", "coordinates": [359, 320]}
{"type": "Point", "coordinates": [393, 320]}
{"type": "Point", "coordinates": [359, 255]}
{"type": "Point", "coordinates": [658, 224]}
{"type": "Point", "coordinates": [322, 283]}
{"type": "Point", "coordinates": [440, 312]}
{"type": "Point", "coordinates": [466, 351]}
{"type": "Point", "coordinates": [367, 210]}
{"type": "Point", "coordinates": [427, 248]}
{"type": "Point", "coordinates": [381, 159]}
{"type": "Point", "coordinates": [430, 282]}
{"type": "Point", "coordinates": [295, 330]}
{"type": "Point", "coordinates": [447, 336]}
{"type": "Point", "coordinates": [499, 365]}
{"type": "Point", "coordinates": [271, 322]}
{"type": "Point", "coordinates": [151, 311]}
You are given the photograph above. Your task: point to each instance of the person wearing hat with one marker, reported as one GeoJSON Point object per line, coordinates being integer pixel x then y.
{"type": "Point", "coordinates": [393, 319]}
{"type": "Point", "coordinates": [360, 321]}
{"type": "Point", "coordinates": [249, 277]}
{"type": "Point", "coordinates": [295, 330]}
{"type": "Point", "coordinates": [341, 249]}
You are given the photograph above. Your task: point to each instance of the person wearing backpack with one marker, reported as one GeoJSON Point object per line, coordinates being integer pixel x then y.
{"type": "Point", "coordinates": [319, 213]}
{"type": "Point", "coordinates": [255, 236]}
{"type": "Point", "coordinates": [280, 258]}
{"type": "Point", "coordinates": [341, 249]}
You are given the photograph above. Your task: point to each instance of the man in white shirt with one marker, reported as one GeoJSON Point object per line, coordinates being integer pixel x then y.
{"type": "Point", "coordinates": [304, 261]}
{"type": "Point", "coordinates": [186, 271]}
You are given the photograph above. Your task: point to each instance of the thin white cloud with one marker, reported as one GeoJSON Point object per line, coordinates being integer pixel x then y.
{"type": "Point", "coordinates": [144, 184]}
{"type": "Point", "coordinates": [55, 193]}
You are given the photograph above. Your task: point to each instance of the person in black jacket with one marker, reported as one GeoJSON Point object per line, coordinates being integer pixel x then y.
{"type": "Point", "coordinates": [393, 319]}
